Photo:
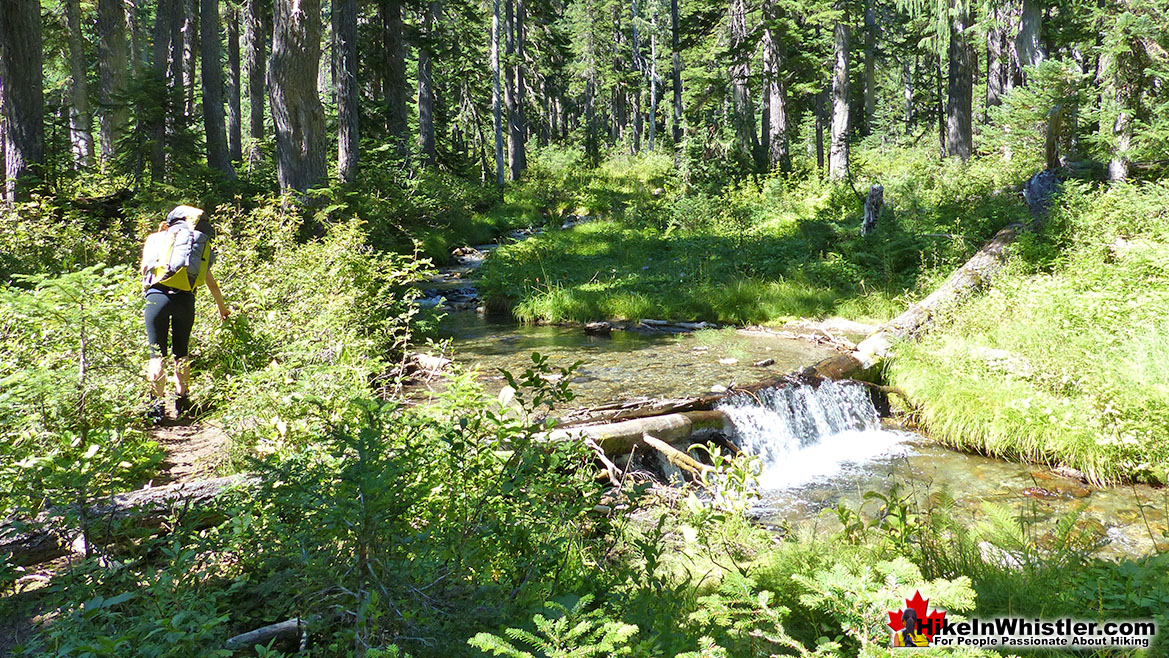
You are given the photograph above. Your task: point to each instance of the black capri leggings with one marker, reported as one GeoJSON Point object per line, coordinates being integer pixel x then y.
{"type": "Point", "coordinates": [169, 314]}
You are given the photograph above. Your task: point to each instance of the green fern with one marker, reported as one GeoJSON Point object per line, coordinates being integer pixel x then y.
{"type": "Point", "coordinates": [567, 633]}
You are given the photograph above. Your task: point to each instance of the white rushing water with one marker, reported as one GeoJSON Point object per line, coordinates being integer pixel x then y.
{"type": "Point", "coordinates": [803, 434]}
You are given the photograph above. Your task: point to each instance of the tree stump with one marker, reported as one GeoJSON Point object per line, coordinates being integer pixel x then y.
{"type": "Point", "coordinates": [873, 205]}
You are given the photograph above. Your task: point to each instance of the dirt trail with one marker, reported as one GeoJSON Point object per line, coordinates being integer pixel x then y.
{"type": "Point", "coordinates": [193, 450]}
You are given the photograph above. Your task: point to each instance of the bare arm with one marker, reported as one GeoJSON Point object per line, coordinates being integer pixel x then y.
{"type": "Point", "coordinates": [213, 287]}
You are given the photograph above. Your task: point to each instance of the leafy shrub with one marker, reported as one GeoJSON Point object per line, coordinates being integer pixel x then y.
{"type": "Point", "coordinates": [70, 386]}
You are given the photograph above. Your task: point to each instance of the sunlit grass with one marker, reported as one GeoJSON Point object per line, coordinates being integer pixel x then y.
{"type": "Point", "coordinates": [1066, 360]}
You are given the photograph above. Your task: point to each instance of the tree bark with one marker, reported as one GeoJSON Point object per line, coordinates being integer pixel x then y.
{"type": "Point", "coordinates": [820, 111]}
{"type": "Point", "coordinates": [960, 104]}
{"type": "Point", "coordinates": [773, 51]}
{"type": "Point", "coordinates": [653, 87]}
{"type": "Point", "coordinates": [162, 61]}
{"type": "Point", "coordinates": [394, 87]}
{"type": "Point", "coordinates": [137, 54]}
{"type": "Point", "coordinates": [297, 113]}
{"type": "Point", "coordinates": [496, 94]}
{"type": "Point", "coordinates": [218, 157]}
{"type": "Point", "coordinates": [676, 48]}
{"type": "Point", "coordinates": [80, 115]}
{"type": "Point", "coordinates": [1028, 44]}
{"type": "Point", "coordinates": [870, 65]}
{"type": "Point", "coordinates": [513, 91]}
{"type": "Point", "coordinates": [22, 95]}
{"type": "Point", "coordinates": [907, 77]}
{"type": "Point", "coordinates": [838, 155]}
{"type": "Point", "coordinates": [996, 67]}
{"type": "Point", "coordinates": [520, 121]}
{"type": "Point", "coordinates": [742, 107]}
{"type": "Point", "coordinates": [112, 64]}
{"type": "Point", "coordinates": [257, 63]}
{"type": "Point", "coordinates": [190, 50]}
{"type": "Point", "coordinates": [234, 88]}
{"type": "Point", "coordinates": [426, 95]}
{"type": "Point", "coordinates": [348, 109]}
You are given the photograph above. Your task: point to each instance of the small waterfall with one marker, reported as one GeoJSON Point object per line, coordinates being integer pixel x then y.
{"type": "Point", "coordinates": [802, 433]}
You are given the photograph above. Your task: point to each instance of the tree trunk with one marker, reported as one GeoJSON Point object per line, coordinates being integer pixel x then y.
{"type": "Point", "coordinates": [218, 157]}
{"type": "Point", "coordinates": [635, 65]}
{"type": "Point", "coordinates": [821, 111]}
{"type": "Point", "coordinates": [1028, 45]}
{"type": "Point", "coordinates": [653, 87]}
{"type": "Point", "coordinates": [297, 113]}
{"type": "Point", "coordinates": [111, 69]}
{"type": "Point", "coordinates": [838, 155]}
{"type": "Point", "coordinates": [520, 127]}
{"type": "Point", "coordinates": [348, 108]}
{"type": "Point", "coordinates": [394, 87]}
{"type": "Point", "coordinates": [161, 61]}
{"type": "Point", "coordinates": [907, 77]}
{"type": "Point", "coordinates": [960, 105]}
{"type": "Point", "coordinates": [743, 108]}
{"type": "Point", "coordinates": [870, 65]}
{"type": "Point", "coordinates": [939, 107]}
{"type": "Point", "coordinates": [996, 68]}
{"type": "Point", "coordinates": [514, 81]}
{"type": "Point", "coordinates": [257, 62]}
{"type": "Point", "coordinates": [22, 95]}
{"type": "Point", "coordinates": [234, 116]}
{"type": "Point", "coordinates": [1114, 99]}
{"type": "Point", "coordinates": [426, 97]}
{"type": "Point", "coordinates": [874, 202]}
{"type": "Point", "coordinates": [773, 52]}
{"type": "Point", "coordinates": [80, 116]}
{"type": "Point", "coordinates": [496, 94]}
{"type": "Point", "coordinates": [138, 56]}
{"type": "Point", "coordinates": [190, 50]}
{"type": "Point", "coordinates": [676, 48]}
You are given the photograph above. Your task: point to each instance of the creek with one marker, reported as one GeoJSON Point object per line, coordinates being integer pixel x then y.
{"type": "Point", "coordinates": [818, 448]}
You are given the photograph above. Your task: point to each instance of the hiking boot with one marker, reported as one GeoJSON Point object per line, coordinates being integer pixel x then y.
{"type": "Point", "coordinates": [182, 405]}
{"type": "Point", "coordinates": [156, 412]}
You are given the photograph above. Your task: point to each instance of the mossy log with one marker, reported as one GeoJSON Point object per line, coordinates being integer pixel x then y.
{"type": "Point", "coordinates": [50, 537]}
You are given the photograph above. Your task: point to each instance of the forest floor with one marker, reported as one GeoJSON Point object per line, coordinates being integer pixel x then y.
{"type": "Point", "coordinates": [193, 450]}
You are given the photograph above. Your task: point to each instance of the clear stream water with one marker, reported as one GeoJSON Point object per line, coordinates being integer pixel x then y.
{"type": "Point", "coordinates": [818, 447]}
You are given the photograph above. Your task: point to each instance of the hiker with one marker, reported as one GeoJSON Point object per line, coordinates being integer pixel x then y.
{"type": "Point", "coordinates": [911, 635]}
{"type": "Point", "coordinates": [175, 262]}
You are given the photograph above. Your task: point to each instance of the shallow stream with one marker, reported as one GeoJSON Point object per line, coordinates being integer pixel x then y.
{"type": "Point", "coordinates": [819, 448]}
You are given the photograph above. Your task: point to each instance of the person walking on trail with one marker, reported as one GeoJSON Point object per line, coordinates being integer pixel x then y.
{"type": "Point", "coordinates": [175, 262]}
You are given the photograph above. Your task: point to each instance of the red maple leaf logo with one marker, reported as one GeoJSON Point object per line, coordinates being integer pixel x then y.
{"type": "Point", "coordinates": [930, 620]}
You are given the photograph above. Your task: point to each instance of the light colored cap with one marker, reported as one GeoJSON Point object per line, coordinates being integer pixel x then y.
{"type": "Point", "coordinates": [183, 212]}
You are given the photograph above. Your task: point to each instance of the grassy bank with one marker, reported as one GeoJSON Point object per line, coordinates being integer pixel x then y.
{"type": "Point", "coordinates": [756, 252]}
{"type": "Point", "coordinates": [1066, 359]}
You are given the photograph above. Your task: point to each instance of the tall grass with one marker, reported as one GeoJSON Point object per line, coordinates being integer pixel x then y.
{"type": "Point", "coordinates": [757, 251]}
{"type": "Point", "coordinates": [1065, 360]}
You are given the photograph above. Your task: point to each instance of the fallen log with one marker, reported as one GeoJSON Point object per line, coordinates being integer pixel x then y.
{"type": "Point", "coordinates": [620, 437]}
{"type": "Point", "coordinates": [678, 458]}
{"type": "Point", "coordinates": [49, 536]}
{"type": "Point", "coordinates": [974, 275]}
{"type": "Point", "coordinates": [289, 631]}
